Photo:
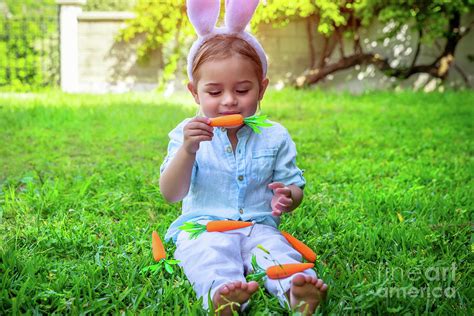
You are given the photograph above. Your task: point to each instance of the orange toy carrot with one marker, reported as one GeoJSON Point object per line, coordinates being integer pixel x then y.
{"type": "Point", "coordinates": [196, 229]}
{"type": "Point", "coordinates": [159, 255]}
{"type": "Point", "coordinates": [285, 270]}
{"type": "Point", "coordinates": [235, 120]}
{"type": "Point", "coordinates": [278, 271]}
{"type": "Point", "coordinates": [227, 120]}
{"type": "Point", "coordinates": [299, 246]}
{"type": "Point", "coordinates": [157, 247]}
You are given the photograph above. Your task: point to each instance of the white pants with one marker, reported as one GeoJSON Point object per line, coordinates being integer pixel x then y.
{"type": "Point", "coordinates": [213, 259]}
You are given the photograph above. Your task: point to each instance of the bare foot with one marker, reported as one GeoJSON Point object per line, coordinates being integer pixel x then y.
{"type": "Point", "coordinates": [306, 293]}
{"type": "Point", "coordinates": [230, 296]}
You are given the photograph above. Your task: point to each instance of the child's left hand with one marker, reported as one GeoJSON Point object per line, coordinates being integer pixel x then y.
{"type": "Point", "coordinates": [282, 201]}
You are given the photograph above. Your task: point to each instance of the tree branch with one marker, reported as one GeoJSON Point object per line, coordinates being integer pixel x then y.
{"type": "Point", "coordinates": [315, 75]}
{"type": "Point", "coordinates": [438, 69]}
{"type": "Point", "coordinates": [463, 75]}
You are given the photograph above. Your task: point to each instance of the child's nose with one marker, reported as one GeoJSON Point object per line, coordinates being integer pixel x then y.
{"type": "Point", "coordinates": [229, 99]}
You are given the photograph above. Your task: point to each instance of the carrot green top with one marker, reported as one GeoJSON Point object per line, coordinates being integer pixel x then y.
{"type": "Point", "coordinates": [257, 121]}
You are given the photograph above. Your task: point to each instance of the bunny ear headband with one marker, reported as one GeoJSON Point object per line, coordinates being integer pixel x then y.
{"type": "Point", "coordinates": [203, 15]}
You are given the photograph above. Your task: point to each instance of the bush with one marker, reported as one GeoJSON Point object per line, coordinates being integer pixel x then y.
{"type": "Point", "coordinates": [29, 54]}
{"type": "Point", "coordinates": [109, 5]}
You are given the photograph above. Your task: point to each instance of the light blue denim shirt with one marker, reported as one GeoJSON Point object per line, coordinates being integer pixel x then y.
{"type": "Point", "coordinates": [234, 185]}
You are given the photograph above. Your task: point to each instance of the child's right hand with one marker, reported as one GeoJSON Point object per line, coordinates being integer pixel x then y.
{"type": "Point", "coordinates": [196, 131]}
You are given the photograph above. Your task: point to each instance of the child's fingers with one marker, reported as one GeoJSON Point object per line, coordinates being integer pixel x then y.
{"type": "Point", "coordinates": [202, 119]}
{"type": "Point", "coordinates": [276, 213]}
{"type": "Point", "coordinates": [197, 132]}
{"type": "Point", "coordinates": [199, 125]}
{"type": "Point", "coordinates": [285, 201]}
{"type": "Point", "coordinates": [202, 123]}
{"type": "Point", "coordinates": [277, 205]}
{"type": "Point", "coordinates": [275, 185]}
{"type": "Point", "coordinates": [283, 191]}
{"type": "Point", "coordinates": [203, 138]}
{"type": "Point", "coordinates": [198, 136]}
{"type": "Point", "coordinates": [281, 207]}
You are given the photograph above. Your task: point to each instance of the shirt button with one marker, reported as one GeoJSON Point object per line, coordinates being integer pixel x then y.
{"type": "Point", "coordinates": [228, 149]}
{"type": "Point", "coordinates": [241, 211]}
{"type": "Point", "coordinates": [223, 129]}
{"type": "Point", "coordinates": [240, 178]}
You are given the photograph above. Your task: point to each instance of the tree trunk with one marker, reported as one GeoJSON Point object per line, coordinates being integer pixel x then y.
{"type": "Point", "coordinates": [310, 33]}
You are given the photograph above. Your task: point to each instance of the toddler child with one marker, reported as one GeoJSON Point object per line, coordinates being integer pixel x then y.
{"type": "Point", "coordinates": [233, 173]}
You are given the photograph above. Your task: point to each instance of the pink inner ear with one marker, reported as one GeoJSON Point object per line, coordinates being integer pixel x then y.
{"type": "Point", "coordinates": [203, 14]}
{"type": "Point", "coordinates": [238, 13]}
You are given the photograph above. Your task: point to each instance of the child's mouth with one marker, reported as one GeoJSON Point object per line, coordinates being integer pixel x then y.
{"type": "Point", "coordinates": [229, 113]}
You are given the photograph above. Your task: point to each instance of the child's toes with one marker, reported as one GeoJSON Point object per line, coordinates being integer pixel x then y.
{"type": "Point", "coordinates": [231, 286]}
{"type": "Point", "coordinates": [224, 290]}
{"type": "Point", "coordinates": [324, 288]}
{"type": "Point", "coordinates": [252, 286]}
{"type": "Point", "coordinates": [298, 280]}
{"type": "Point", "coordinates": [319, 283]}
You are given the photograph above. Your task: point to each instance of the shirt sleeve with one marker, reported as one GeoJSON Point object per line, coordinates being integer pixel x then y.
{"type": "Point", "coordinates": [286, 170]}
{"type": "Point", "coordinates": [176, 140]}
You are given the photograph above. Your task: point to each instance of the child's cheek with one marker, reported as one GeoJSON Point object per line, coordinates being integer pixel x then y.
{"type": "Point", "coordinates": [209, 103]}
{"type": "Point", "coordinates": [249, 101]}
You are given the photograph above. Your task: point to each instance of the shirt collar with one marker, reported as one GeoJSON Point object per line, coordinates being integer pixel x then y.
{"type": "Point", "coordinates": [244, 131]}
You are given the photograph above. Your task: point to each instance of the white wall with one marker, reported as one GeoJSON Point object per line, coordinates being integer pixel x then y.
{"type": "Point", "coordinates": [94, 61]}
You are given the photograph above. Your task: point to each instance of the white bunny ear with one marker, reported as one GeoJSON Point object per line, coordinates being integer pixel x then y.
{"type": "Point", "coordinates": [203, 15]}
{"type": "Point", "coordinates": [238, 13]}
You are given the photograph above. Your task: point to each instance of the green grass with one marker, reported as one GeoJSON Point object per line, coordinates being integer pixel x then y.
{"type": "Point", "coordinates": [388, 204]}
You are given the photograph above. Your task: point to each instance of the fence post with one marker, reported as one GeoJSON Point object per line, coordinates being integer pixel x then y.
{"type": "Point", "coordinates": [68, 43]}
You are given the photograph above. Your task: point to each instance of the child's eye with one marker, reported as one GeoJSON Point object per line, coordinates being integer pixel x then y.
{"type": "Point", "coordinates": [214, 93]}
{"type": "Point", "coordinates": [242, 91]}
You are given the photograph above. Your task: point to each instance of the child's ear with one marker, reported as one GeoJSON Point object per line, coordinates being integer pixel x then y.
{"type": "Point", "coordinates": [193, 91]}
{"type": "Point", "coordinates": [264, 87]}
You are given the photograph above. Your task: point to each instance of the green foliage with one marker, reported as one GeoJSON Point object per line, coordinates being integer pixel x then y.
{"type": "Point", "coordinates": [389, 196]}
{"type": "Point", "coordinates": [165, 27]}
{"type": "Point", "coordinates": [280, 12]}
{"type": "Point", "coordinates": [109, 5]}
{"type": "Point", "coordinates": [432, 17]}
{"type": "Point", "coordinates": [29, 55]}
{"type": "Point", "coordinates": [163, 24]}
{"type": "Point", "coordinates": [30, 7]}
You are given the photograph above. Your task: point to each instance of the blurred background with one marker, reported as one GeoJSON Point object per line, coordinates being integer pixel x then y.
{"type": "Point", "coordinates": [141, 45]}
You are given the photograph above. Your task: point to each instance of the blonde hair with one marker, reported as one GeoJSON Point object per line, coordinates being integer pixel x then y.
{"type": "Point", "coordinates": [224, 46]}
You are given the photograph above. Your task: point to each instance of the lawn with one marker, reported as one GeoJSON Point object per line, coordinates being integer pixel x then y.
{"type": "Point", "coordinates": [388, 206]}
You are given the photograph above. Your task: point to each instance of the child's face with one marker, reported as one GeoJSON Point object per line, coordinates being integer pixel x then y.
{"type": "Point", "coordinates": [228, 86]}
